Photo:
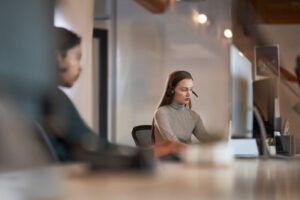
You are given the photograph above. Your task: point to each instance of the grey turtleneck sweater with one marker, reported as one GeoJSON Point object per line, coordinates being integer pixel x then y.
{"type": "Point", "coordinates": [175, 122]}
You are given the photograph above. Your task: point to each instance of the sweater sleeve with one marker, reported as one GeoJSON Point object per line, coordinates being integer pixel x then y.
{"type": "Point", "coordinates": [199, 131]}
{"type": "Point", "coordinates": [63, 121]}
{"type": "Point", "coordinates": [163, 127]}
{"type": "Point", "coordinates": [65, 128]}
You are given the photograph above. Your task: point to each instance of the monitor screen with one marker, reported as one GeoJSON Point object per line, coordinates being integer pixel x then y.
{"type": "Point", "coordinates": [241, 94]}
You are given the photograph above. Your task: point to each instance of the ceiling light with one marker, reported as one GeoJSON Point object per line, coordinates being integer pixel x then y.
{"type": "Point", "coordinates": [202, 18]}
{"type": "Point", "coordinates": [227, 33]}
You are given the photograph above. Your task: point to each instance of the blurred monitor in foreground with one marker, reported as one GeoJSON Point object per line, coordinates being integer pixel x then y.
{"type": "Point", "coordinates": [26, 52]}
{"type": "Point", "coordinates": [27, 75]}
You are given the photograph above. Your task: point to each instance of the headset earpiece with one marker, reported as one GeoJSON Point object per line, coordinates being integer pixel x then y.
{"type": "Point", "coordinates": [170, 89]}
{"type": "Point", "coordinates": [170, 92]}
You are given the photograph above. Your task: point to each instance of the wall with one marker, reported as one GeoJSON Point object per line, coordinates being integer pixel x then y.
{"type": "Point", "coordinates": [151, 46]}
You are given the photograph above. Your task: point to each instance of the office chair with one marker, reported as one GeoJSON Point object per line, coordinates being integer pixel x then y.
{"type": "Point", "coordinates": [142, 135]}
{"type": "Point", "coordinates": [40, 131]}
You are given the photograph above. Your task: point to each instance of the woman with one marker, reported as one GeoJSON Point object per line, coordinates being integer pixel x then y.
{"type": "Point", "coordinates": [68, 133]}
{"type": "Point", "coordinates": [70, 137]}
{"type": "Point", "coordinates": [174, 121]}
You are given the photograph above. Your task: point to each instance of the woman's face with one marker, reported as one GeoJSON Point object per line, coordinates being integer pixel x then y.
{"type": "Point", "coordinates": [183, 91]}
{"type": "Point", "coordinates": [70, 66]}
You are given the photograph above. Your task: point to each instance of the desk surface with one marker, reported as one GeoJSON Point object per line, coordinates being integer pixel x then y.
{"type": "Point", "coordinates": [245, 179]}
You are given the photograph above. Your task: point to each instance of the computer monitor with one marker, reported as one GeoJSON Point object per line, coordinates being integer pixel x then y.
{"type": "Point", "coordinates": [265, 94]}
{"type": "Point", "coordinates": [241, 94]}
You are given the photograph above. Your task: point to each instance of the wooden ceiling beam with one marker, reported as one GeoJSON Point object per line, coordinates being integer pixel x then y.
{"type": "Point", "coordinates": [154, 6]}
{"type": "Point", "coordinates": [277, 11]}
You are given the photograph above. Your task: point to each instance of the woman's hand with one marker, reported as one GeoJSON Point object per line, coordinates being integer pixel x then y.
{"type": "Point", "coordinates": [167, 147]}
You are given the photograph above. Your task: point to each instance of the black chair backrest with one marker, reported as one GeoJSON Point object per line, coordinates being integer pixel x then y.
{"type": "Point", "coordinates": [45, 138]}
{"type": "Point", "coordinates": [142, 135]}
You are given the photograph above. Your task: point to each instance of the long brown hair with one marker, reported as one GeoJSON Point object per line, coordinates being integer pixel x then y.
{"type": "Point", "coordinates": [169, 93]}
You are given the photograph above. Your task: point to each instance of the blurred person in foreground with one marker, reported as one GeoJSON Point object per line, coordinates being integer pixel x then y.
{"type": "Point", "coordinates": [67, 132]}
{"type": "Point", "coordinates": [70, 137]}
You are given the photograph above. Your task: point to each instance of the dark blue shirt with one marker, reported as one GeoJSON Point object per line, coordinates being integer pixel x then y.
{"type": "Point", "coordinates": [65, 127]}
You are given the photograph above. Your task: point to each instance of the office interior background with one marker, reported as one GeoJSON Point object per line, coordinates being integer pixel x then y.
{"type": "Point", "coordinates": [147, 42]}
{"type": "Point", "coordinates": [144, 46]}
{"type": "Point", "coordinates": [143, 49]}
{"type": "Point", "coordinates": [129, 49]}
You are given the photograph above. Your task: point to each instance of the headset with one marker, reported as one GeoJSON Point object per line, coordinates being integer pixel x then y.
{"type": "Point", "coordinates": [171, 91]}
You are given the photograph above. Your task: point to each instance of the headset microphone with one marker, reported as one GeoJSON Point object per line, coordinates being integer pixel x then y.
{"type": "Point", "coordinates": [195, 94]}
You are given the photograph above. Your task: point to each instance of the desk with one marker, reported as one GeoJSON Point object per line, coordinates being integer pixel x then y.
{"type": "Point", "coordinates": [245, 179]}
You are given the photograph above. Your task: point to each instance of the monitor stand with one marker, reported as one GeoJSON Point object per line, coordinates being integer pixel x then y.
{"type": "Point", "coordinates": [244, 147]}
